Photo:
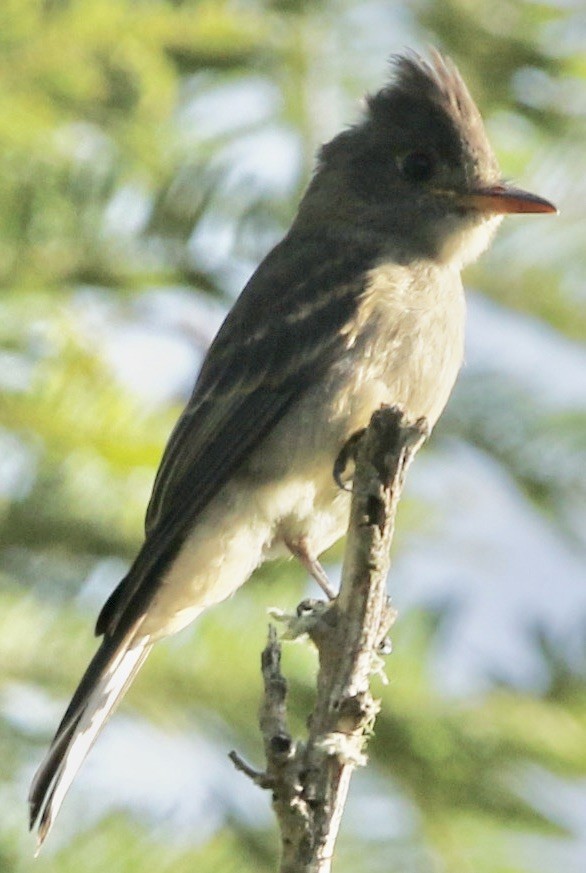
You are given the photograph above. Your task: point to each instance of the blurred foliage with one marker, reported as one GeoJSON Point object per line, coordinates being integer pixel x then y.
{"type": "Point", "coordinates": [151, 148]}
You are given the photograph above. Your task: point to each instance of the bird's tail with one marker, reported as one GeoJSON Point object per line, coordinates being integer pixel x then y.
{"type": "Point", "coordinates": [109, 674]}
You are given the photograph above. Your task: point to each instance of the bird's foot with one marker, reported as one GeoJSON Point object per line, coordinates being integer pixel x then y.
{"type": "Point", "coordinates": [347, 453]}
{"type": "Point", "coordinates": [308, 617]}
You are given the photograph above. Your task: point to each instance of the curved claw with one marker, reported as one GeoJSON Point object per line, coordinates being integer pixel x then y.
{"type": "Point", "coordinates": [347, 453]}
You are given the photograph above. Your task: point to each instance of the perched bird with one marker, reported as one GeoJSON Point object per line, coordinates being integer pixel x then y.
{"type": "Point", "coordinates": [360, 304]}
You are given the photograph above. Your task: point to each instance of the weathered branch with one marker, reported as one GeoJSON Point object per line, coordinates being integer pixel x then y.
{"type": "Point", "coordinates": [310, 780]}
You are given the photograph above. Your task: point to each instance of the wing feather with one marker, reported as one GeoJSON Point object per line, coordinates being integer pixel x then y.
{"type": "Point", "coordinates": [291, 322]}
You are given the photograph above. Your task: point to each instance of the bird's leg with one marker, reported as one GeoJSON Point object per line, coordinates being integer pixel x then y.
{"type": "Point", "coordinates": [299, 549]}
{"type": "Point", "coordinates": [347, 453]}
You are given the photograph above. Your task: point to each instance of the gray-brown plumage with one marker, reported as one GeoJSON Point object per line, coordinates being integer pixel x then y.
{"type": "Point", "coordinates": [360, 304]}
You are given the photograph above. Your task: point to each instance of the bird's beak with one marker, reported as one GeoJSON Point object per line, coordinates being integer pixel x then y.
{"type": "Point", "coordinates": [501, 199]}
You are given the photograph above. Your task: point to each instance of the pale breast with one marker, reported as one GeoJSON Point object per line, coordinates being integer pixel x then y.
{"type": "Point", "coordinates": [406, 350]}
{"type": "Point", "coordinates": [418, 335]}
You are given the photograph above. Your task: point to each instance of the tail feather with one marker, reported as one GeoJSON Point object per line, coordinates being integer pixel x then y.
{"type": "Point", "coordinates": [109, 674]}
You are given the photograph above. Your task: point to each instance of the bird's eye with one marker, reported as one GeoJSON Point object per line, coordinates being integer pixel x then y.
{"type": "Point", "coordinates": [417, 166]}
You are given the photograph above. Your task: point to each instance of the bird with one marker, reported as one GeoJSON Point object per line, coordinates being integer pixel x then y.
{"type": "Point", "coordinates": [361, 304]}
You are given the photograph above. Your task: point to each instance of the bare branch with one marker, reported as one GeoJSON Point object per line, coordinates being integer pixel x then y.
{"type": "Point", "coordinates": [310, 781]}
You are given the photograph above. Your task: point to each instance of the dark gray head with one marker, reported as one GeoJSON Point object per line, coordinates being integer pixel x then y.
{"type": "Point", "coordinates": [418, 170]}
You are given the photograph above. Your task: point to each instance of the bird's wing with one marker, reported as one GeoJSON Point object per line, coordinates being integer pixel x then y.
{"type": "Point", "coordinates": [291, 322]}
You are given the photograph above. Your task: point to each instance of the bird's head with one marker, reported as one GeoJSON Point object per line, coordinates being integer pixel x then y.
{"type": "Point", "coordinates": [418, 169]}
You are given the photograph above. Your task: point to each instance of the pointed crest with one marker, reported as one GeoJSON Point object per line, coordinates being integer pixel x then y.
{"type": "Point", "coordinates": [434, 91]}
